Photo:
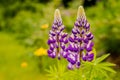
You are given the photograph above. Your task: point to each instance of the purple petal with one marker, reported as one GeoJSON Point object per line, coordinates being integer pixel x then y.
{"type": "Point", "coordinates": [82, 32]}
{"type": "Point", "coordinates": [81, 48]}
{"type": "Point", "coordinates": [51, 47]}
{"type": "Point", "coordinates": [49, 51]}
{"type": "Point", "coordinates": [70, 66]}
{"type": "Point", "coordinates": [77, 64]}
{"type": "Point", "coordinates": [78, 31]}
{"type": "Point", "coordinates": [89, 34]}
{"type": "Point", "coordinates": [71, 48]}
{"type": "Point", "coordinates": [91, 44]}
{"type": "Point", "coordinates": [71, 59]}
{"type": "Point", "coordinates": [76, 24]}
{"type": "Point", "coordinates": [54, 27]}
{"type": "Point", "coordinates": [75, 49]}
{"type": "Point", "coordinates": [89, 49]}
{"type": "Point", "coordinates": [86, 40]}
{"type": "Point", "coordinates": [74, 31]}
{"type": "Point", "coordinates": [64, 35]}
{"type": "Point", "coordinates": [79, 39]}
{"type": "Point", "coordinates": [65, 54]}
{"type": "Point", "coordinates": [87, 25]}
{"type": "Point", "coordinates": [59, 57]}
{"type": "Point", "coordinates": [84, 58]}
{"type": "Point", "coordinates": [49, 42]}
{"type": "Point", "coordinates": [91, 37]}
{"type": "Point", "coordinates": [71, 39]}
{"type": "Point", "coordinates": [90, 56]}
{"type": "Point", "coordinates": [63, 46]}
{"type": "Point", "coordinates": [61, 40]}
{"type": "Point", "coordinates": [65, 41]}
{"type": "Point", "coordinates": [59, 24]}
{"type": "Point", "coordinates": [62, 28]}
{"type": "Point", "coordinates": [53, 55]}
{"type": "Point", "coordinates": [52, 33]}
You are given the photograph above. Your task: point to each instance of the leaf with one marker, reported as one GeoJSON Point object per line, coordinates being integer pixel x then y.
{"type": "Point", "coordinates": [94, 51]}
{"type": "Point", "coordinates": [109, 69]}
{"type": "Point", "coordinates": [104, 73]}
{"type": "Point", "coordinates": [100, 59]}
{"type": "Point", "coordinates": [100, 68]}
{"type": "Point", "coordinates": [107, 64]}
{"type": "Point", "coordinates": [57, 72]}
{"type": "Point", "coordinates": [88, 63]}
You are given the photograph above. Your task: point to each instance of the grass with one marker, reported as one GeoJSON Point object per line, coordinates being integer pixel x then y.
{"type": "Point", "coordinates": [12, 55]}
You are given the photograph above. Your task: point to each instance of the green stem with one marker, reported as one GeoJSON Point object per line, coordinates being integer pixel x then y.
{"type": "Point", "coordinates": [58, 64]}
{"type": "Point", "coordinates": [90, 74]}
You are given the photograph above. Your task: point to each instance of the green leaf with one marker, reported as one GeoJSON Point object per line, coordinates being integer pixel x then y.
{"type": "Point", "coordinates": [100, 68]}
{"type": "Point", "coordinates": [106, 64]}
{"type": "Point", "coordinates": [100, 59]}
{"type": "Point", "coordinates": [103, 73]}
{"type": "Point", "coordinates": [94, 51]}
{"type": "Point", "coordinates": [109, 69]}
{"type": "Point", "coordinates": [57, 72]}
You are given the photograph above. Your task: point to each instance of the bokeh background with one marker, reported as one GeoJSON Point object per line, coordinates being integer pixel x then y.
{"type": "Point", "coordinates": [24, 28]}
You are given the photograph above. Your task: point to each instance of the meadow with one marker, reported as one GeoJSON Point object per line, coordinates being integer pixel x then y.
{"type": "Point", "coordinates": [24, 32]}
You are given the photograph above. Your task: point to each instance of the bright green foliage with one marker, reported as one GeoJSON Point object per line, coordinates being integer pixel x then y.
{"type": "Point", "coordinates": [95, 70]}
{"type": "Point", "coordinates": [58, 72]}
{"type": "Point", "coordinates": [98, 69]}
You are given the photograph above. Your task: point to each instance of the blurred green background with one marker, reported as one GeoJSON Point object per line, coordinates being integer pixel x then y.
{"type": "Point", "coordinates": [24, 28]}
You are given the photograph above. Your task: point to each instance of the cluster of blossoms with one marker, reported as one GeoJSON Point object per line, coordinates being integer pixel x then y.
{"type": "Point", "coordinates": [79, 42]}
{"type": "Point", "coordinates": [57, 38]}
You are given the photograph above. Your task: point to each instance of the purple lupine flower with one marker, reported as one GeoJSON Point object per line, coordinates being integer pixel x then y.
{"type": "Point", "coordinates": [80, 41]}
{"type": "Point", "coordinates": [57, 38]}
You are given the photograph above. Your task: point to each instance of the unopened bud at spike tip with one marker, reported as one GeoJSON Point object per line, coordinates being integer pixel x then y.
{"type": "Point", "coordinates": [81, 13]}
{"type": "Point", "coordinates": [57, 15]}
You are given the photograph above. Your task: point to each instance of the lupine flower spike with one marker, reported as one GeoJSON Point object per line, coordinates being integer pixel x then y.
{"type": "Point", "coordinates": [57, 38]}
{"type": "Point", "coordinates": [80, 41]}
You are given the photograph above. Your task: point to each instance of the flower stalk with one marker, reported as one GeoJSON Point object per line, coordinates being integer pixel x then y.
{"type": "Point", "coordinates": [80, 41]}
{"type": "Point", "coordinates": [57, 38]}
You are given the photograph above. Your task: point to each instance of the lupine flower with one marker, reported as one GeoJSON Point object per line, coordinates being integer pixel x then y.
{"type": "Point", "coordinates": [57, 38]}
{"type": "Point", "coordinates": [80, 41]}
